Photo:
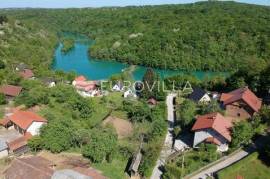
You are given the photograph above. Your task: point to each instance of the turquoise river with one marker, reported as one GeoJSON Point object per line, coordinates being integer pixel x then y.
{"type": "Point", "coordinates": [79, 61]}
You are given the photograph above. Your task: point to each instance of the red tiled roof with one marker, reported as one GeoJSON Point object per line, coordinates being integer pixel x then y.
{"type": "Point", "coordinates": [242, 94]}
{"type": "Point", "coordinates": [33, 167]}
{"type": "Point", "coordinates": [25, 118]}
{"type": "Point", "coordinates": [239, 177]}
{"type": "Point", "coordinates": [86, 85]}
{"type": "Point", "coordinates": [152, 101]}
{"type": "Point", "coordinates": [26, 73]}
{"type": "Point", "coordinates": [214, 121]}
{"type": "Point", "coordinates": [80, 78]}
{"type": "Point", "coordinates": [17, 143]}
{"type": "Point", "coordinates": [4, 121]}
{"type": "Point", "coordinates": [10, 90]}
{"type": "Point", "coordinates": [27, 136]}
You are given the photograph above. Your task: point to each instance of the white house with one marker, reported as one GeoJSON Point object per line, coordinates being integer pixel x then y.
{"type": "Point", "coordinates": [118, 86]}
{"type": "Point", "coordinates": [3, 149]}
{"type": "Point", "coordinates": [24, 122]}
{"type": "Point", "coordinates": [212, 128]}
{"type": "Point", "coordinates": [86, 88]}
{"type": "Point", "coordinates": [199, 96]}
{"type": "Point", "coordinates": [129, 93]}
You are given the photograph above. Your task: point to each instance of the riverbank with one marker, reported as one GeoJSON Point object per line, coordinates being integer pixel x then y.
{"type": "Point", "coordinates": [79, 61]}
{"type": "Point", "coordinates": [68, 45]}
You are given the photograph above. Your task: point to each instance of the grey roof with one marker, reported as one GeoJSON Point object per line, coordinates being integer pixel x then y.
{"type": "Point", "coordinates": [197, 94]}
{"type": "Point", "coordinates": [69, 174]}
{"type": "Point", "coordinates": [22, 66]}
{"type": "Point", "coordinates": [48, 80]}
{"type": "Point", "coordinates": [3, 145]}
{"type": "Point", "coordinates": [119, 84]}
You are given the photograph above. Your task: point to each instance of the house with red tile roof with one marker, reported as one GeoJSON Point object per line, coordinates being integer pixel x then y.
{"type": "Point", "coordinates": [79, 79]}
{"type": "Point", "coordinates": [10, 90]}
{"type": "Point", "coordinates": [18, 145]}
{"type": "Point", "coordinates": [152, 101]}
{"type": "Point", "coordinates": [241, 103]}
{"type": "Point", "coordinates": [212, 128]}
{"type": "Point", "coordinates": [24, 122]}
{"type": "Point", "coordinates": [85, 88]}
{"type": "Point", "coordinates": [26, 74]}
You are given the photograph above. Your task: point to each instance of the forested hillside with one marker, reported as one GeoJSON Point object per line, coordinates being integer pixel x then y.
{"type": "Point", "coordinates": [214, 36]}
{"type": "Point", "coordinates": [24, 42]}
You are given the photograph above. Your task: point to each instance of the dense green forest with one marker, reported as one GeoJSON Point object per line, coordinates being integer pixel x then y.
{"type": "Point", "coordinates": [214, 36]}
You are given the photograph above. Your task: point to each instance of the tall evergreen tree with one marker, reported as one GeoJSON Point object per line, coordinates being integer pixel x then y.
{"type": "Point", "coordinates": [149, 83]}
{"type": "Point", "coordinates": [152, 86]}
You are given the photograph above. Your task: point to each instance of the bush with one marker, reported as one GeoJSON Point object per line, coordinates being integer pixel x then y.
{"type": "Point", "coordinates": [102, 145]}
{"type": "Point", "coordinates": [150, 156]}
{"type": "Point", "coordinates": [34, 96]}
{"type": "Point", "coordinates": [2, 64]}
{"type": "Point", "coordinates": [242, 133]}
{"type": "Point", "coordinates": [35, 143]}
{"type": "Point", "coordinates": [187, 112]}
{"type": "Point", "coordinates": [58, 135]}
{"type": "Point", "coordinates": [2, 99]}
{"type": "Point", "coordinates": [172, 172]}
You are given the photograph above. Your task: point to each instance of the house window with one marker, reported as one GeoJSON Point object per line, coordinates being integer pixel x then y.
{"type": "Point", "coordinates": [238, 114]}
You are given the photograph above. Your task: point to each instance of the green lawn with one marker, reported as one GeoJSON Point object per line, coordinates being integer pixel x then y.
{"type": "Point", "coordinates": [113, 170]}
{"type": "Point", "coordinates": [250, 168]}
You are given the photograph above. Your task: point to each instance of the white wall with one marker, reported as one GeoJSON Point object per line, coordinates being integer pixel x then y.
{"type": "Point", "coordinates": [201, 135]}
{"type": "Point", "coordinates": [205, 99]}
{"type": "Point", "coordinates": [4, 153]}
{"type": "Point", "coordinates": [34, 128]}
{"type": "Point", "coordinates": [116, 88]}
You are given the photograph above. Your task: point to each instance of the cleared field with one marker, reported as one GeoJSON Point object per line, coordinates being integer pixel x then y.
{"type": "Point", "coordinates": [249, 168]}
{"type": "Point", "coordinates": [123, 127]}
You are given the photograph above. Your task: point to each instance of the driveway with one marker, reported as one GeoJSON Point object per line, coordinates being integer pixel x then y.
{"type": "Point", "coordinates": [167, 147]}
{"type": "Point", "coordinates": [8, 135]}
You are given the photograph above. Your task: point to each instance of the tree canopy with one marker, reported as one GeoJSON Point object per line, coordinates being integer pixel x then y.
{"type": "Point", "coordinates": [217, 36]}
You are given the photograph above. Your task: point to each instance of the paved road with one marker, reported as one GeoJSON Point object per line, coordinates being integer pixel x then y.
{"type": "Point", "coordinates": [223, 164]}
{"type": "Point", "coordinates": [167, 147]}
{"type": "Point", "coordinates": [258, 144]}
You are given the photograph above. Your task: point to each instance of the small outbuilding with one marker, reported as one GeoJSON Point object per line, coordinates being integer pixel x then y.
{"type": "Point", "coordinates": [118, 86]}
{"type": "Point", "coordinates": [10, 91]}
{"type": "Point", "coordinates": [50, 82]}
{"type": "Point", "coordinates": [130, 93]}
{"type": "Point", "coordinates": [134, 166]}
{"type": "Point", "coordinates": [27, 74]}
{"type": "Point", "coordinates": [152, 101]}
{"type": "Point", "coordinates": [21, 67]}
